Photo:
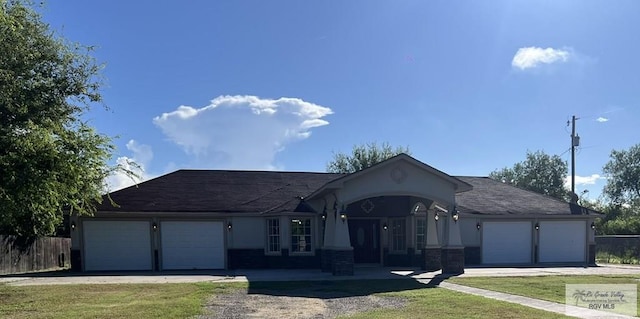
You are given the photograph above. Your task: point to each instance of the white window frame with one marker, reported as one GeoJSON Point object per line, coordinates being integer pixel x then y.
{"type": "Point", "coordinates": [271, 236]}
{"type": "Point", "coordinates": [308, 237]}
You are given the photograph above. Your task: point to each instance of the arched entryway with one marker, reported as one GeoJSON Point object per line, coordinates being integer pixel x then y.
{"type": "Point", "coordinates": [389, 230]}
{"type": "Point", "coordinates": [371, 216]}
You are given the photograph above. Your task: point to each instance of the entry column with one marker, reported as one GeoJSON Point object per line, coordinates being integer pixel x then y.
{"type": "Point", "coordinates": [453, 252]}
{"type": "Point", "coordinates": [432, 249]}
{"type": "Point", "coordinates": [338, 253]}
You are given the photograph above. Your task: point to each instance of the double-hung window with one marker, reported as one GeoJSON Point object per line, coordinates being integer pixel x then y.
{"type": "Point", "coordinates": [273, 235]}
{"type": "Point", "coordinates": [300, 235]}
{"type": "Point", "coordinates": [398, 234]}
{"type": "Point", "coordinates": [421, 231]}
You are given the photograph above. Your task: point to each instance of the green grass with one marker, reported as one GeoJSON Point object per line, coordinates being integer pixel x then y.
{"type": "Point", "coordinates": [550, 288]}
{"type": "Point", "coordinates": [187, 300]}
{"type": "Point", "coordinates": [609, 258]}
{"type": "Point", "coordinates": [442, 303]}
{"type": "Point", "coordinates": [422, 302]}
{"type": "Point", "coordinates": [108, 301]}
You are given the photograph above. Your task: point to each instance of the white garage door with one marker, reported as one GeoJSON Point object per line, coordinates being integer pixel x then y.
{"type": "Point", "coordinates": [506, 242]}
{"type": "Point", "coordinates": [192, 245]}
{"type": "Point", "coordinates": [562, 241]}
{"type": "Point", "coordinates": [117, 245]}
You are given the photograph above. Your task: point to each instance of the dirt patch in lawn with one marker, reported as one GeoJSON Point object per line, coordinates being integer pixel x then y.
{"type": "Point", "coordinates": [307, 303]}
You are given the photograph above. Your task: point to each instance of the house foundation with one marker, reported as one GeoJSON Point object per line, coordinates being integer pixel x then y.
{"type": "Point", "coordinates": [453, 260]}
{"type": "Point", "coordinates": [342, 262]}
{"type": "Point", "coordinates": [432, 259]}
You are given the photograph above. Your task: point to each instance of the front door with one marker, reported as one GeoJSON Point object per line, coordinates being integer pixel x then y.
{"type": "Point", "coordinates": [365, 239]}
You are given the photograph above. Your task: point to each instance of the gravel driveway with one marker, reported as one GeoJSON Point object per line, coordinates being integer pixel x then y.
{"type": "Point", "coordinates": [314, 301]}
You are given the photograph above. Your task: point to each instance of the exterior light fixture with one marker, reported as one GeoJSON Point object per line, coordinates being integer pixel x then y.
{"type": "Point", "coordinates": [324, 216]}
{"type": "Point", "coordinates": [593, 225]}
{"type": "Point", "coordinates": [73, 225]}
{"type": "Point", "coordinates": [385, 227]}
{"type": "Point", "coordinates": [537, 226]}
{"type": "Point", "coordinates": [455, 214]}
{"type": "Point", "coordinates": [436, 217]}
{"type": "Point", "coordinates": [155, 226]}
{"type": "Point", "coordinates": [478, 225]}
{"type": "Point", "coordinates": [229, 226]}
{"type": "Point", "coordinates": [343, 214]}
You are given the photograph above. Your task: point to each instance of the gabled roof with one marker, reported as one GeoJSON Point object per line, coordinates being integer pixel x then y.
{"type": "Point", "coordinates": [273, 192]}
{"type": "Point", "coordinates": [492, 197]}
{"type": "Point", "coordinates": [219, 191]}
{"type": "Point", "coordinates": [459, 185]}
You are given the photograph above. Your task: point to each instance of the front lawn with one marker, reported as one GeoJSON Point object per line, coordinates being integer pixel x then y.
{"type": "Point", "coordinates": [188, 300]}
{"type": "Point", "coordinates": [550, 288]}
{"type": "Point", "coordinates": [422, 302]}
{"type": "Point", "coordinates": [443, 303]}
{"type": "Point", "coordinates": [107, 300]}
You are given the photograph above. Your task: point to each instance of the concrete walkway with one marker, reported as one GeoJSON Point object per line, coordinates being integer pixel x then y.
{"type": "Point", "coordinates": [534, 303]}
{"type": "Point", "coordinates": [364, 273]}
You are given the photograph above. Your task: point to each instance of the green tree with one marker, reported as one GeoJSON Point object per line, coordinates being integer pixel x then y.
{"type": "Point", "coordinates": [539, 172]}
{"type": "Point", "coordinates": [51, 161]}
{"type": "Point", "coordinates": [363, 156]}
{"type": "Point", "coordinates": [623, 177]}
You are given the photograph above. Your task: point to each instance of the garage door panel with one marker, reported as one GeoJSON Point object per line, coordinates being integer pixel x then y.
{"type": "Point", "coordinates": [506, 242]}
{"type": "Point", "coordinates": [117, 245]}
{"type": "Point", "coordinates": [192, 245]}
{"type": "Point", "coordinates": [562, 241]}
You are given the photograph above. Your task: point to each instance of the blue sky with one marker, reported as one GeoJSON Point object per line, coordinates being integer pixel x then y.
{"type": "Point", "coordinates": [468, 86]}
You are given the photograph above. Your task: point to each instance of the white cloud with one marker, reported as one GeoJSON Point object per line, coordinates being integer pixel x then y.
{"type": "Point", "coordinates": [583, 180]}
{"type": "Point", "coordinates": [142, 156]}
{"type": "Point", "coordinates": [242, 131]}
{"type": "Point", "coordinates": [531, 57]}
{"type": "Point", "coordinates": [602, 119]}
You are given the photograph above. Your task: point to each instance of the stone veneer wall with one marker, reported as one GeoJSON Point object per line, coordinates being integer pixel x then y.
{"type": "Point", "coordinates": [342, 262]}
{"type": "Point", "coordinates": [432, 259]}
{"type": "Point", "coordinates": [592, 255]}
{"type": "Point", "coordinates": [408, 259]}
{"type": "Point", "coordinates": [76, 260]}
{"type": "Point", "coordinates": [326, 256]}
{"type": "Point", "coordinates": [472, 255]}
{"type": "Point", "coordinates": [453, 260]}
{"type": "Point", "coordinates": [257, 259]}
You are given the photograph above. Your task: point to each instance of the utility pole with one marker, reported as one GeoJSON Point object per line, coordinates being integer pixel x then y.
{"type": "Point", "coordinates": [575, 141]}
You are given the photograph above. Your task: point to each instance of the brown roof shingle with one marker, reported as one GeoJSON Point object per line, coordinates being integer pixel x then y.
{"type": "Point", "coordinates": [271, 192]}
{"type": "Point", "coordinates": [491, 197]}
{"type": "Point", "coordinates": [219, 191]}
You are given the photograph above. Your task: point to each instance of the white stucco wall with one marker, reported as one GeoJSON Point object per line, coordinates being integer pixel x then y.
{"type": "Point", "coordinates": [440, 224]}
{"type": "Point", "coordinates": [400, 178]}
{"type": "Point", "coordinates": [469, 232]}
{"type": "Point", "coordinates": [247, 232]}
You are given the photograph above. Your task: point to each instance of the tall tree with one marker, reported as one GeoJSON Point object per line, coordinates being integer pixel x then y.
{"type": "Point", "coordinates": [51, 161]}
{"type": "Point", "coordinates": [363, 156]}
{"type": "Point", "coordinates": [623, 177]}
{"type": "Point", "coordinates": [539, 172]}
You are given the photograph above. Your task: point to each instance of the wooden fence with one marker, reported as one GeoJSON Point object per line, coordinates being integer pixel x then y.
{"type": "Point", "coordinates": [45, 253]}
